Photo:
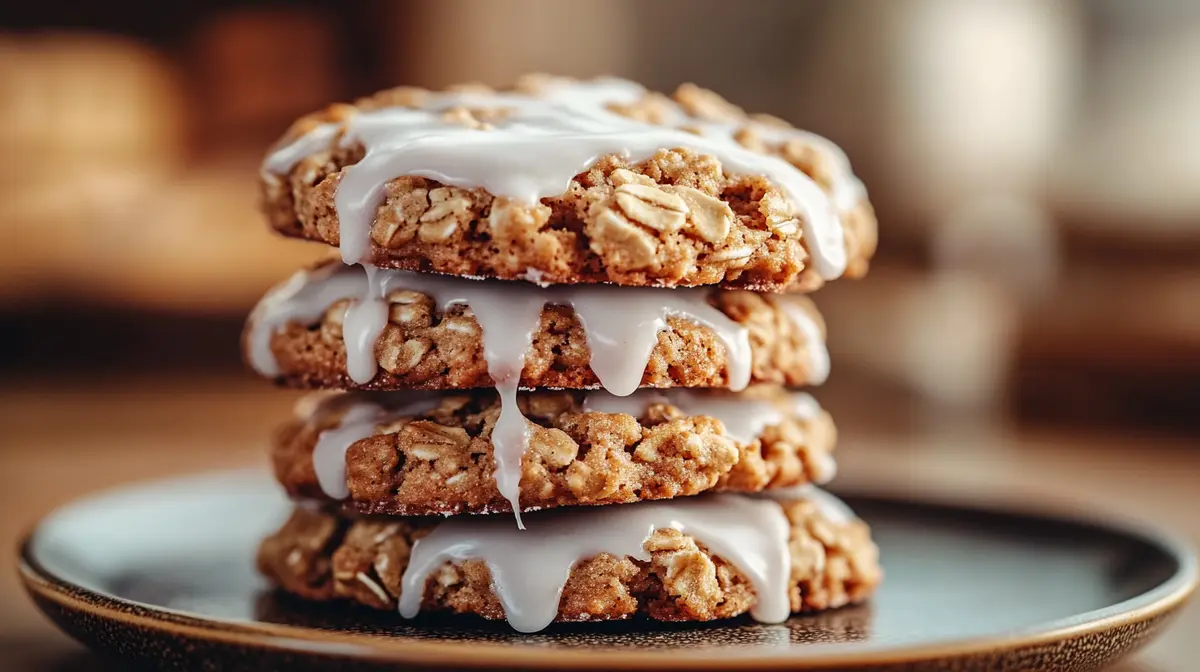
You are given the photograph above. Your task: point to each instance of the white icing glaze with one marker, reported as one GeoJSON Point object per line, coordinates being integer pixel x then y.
{"type": "Point", "coordinates": [329, 455]}
{"type": "Point", "coordinates": [848, 190]}
{"type": "Point", "coordinates": [744, 418]}
{"type": "Point", "coordinates": [818, 352]}
{"type": "Point", "coordinates": [363, 324]}
{"type": "Point", "coordinates": [283, 159]}
{"type": "Point", "coordinates": [596, 92]}
{"type": "Point", "coordinates": [805, 406]}
{"type": "Point", "coordinates": [830, 505]}
{"type": "Point", "coordinates": [361, 417]}
{"type": "Point", "coordinates": [537, 148]}
{"type": "Point", "coordinates": [824, 468]}
{"type": "Point", "coordinates": [621, 325]}
{"type": "Point", "coordinates": [304, 297]}
{"type": "Point", "coordinates": [529, 570]}
{"type": "Point", "coordinates": [510, 439]}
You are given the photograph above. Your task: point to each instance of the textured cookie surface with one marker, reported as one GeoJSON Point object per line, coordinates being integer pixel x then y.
{"type": "Point", "coordinates": [426, 347]}
{"type": "Point", "coordinates": [325, 556]}
{"type": "Point", "coordinates": [677, 218]}
{"type": "Point", "coordinates": [437, 458]}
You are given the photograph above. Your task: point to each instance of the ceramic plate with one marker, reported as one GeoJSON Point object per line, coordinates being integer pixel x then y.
{"type": "Point", "coordinates": [163, 573]}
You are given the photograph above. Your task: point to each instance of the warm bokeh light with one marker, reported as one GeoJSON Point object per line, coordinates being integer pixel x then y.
{"type": "Point", "coordinates": [1040, 183]}
{"type": "Point", "coordinates": [1034, 166]}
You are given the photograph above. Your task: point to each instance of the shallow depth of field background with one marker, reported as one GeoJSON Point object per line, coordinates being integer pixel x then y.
{"type": "Point", "coordinates": [1035, 166]}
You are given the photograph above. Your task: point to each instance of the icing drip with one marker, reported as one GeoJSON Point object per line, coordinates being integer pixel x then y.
{"type": "Point", "coordinates": [362, 326]}
{"type": "Point", "coordinates": [536, 148]}
{"type": "Point", "coordinates": [529, 571]}
{"type": "Point", "coordinates": [818, 352]}
{"type": "Point", "coordinates": [364, 322]}
{"type": "Point", "coordinates": [621, 325]}
{"type": "Point", "coordinates": [507, 320]}
{"type": "Point", "coordinates": [510, 439]}
{"type": "Point", "coordinates": [358, 422]}
{"type": "Point", "coordinates": [283, 159]}
{"type": "Point", "coordinates": [304, 297]}
{"type": "Point", "coordinates": [329, 455]}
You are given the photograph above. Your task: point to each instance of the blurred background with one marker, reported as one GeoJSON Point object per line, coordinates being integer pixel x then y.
{"type": "Point", "coordinates": [1034, 166]}
{"type": "Point", "coordinates": [1033, 312]}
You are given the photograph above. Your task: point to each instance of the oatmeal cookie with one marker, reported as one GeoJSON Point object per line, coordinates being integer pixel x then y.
{"type": "Point", "coordinates": [320, 555]}
{"type": "Point", "coordinates": [672, 191]}
{"type": "Point", "coordinates": [425, 345]}
{"type": "Point", "coordinates": [430, 453]}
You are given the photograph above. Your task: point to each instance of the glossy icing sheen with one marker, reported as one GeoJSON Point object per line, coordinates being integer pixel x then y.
{"type": "Point", "coordinates": [621, 325]}
{"type": "Point", "coordinates": [543, 141]}
{"type": "Point", "coordinates": [529, 570]}
{"type": "Point", "coordinates": [359, 419]}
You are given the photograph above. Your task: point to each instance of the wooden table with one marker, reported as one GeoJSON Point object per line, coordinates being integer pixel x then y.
{"type": "Point", "coordinates": [56, 444]}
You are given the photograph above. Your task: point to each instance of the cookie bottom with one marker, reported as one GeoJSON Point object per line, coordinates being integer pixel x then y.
{"type": "Point", "coordinates": [322, 555]}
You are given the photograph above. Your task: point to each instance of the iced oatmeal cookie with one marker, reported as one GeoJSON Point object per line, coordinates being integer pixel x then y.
{"type": "Point", "coordinates": [563, 181]}
{"type": "Point", "coordinates": [831, 561]}
{"type": "Point", "coordinates": [431, 334]}
{"type": "Point", "coordinates": [428, 453]}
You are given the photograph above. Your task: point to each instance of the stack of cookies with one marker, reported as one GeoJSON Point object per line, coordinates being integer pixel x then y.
{"type": "Point", "coordinates": [567, 319]}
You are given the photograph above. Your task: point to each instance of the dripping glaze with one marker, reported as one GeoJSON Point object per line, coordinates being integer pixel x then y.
{"type": "Point", "coordinates": [528, 576]}
{"type": "Point", "coordinates": [749, 532]}
{"type": "Point", "coordinates": [542, 142]}
{"type": "Point", "coordinates": [621, 326]}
